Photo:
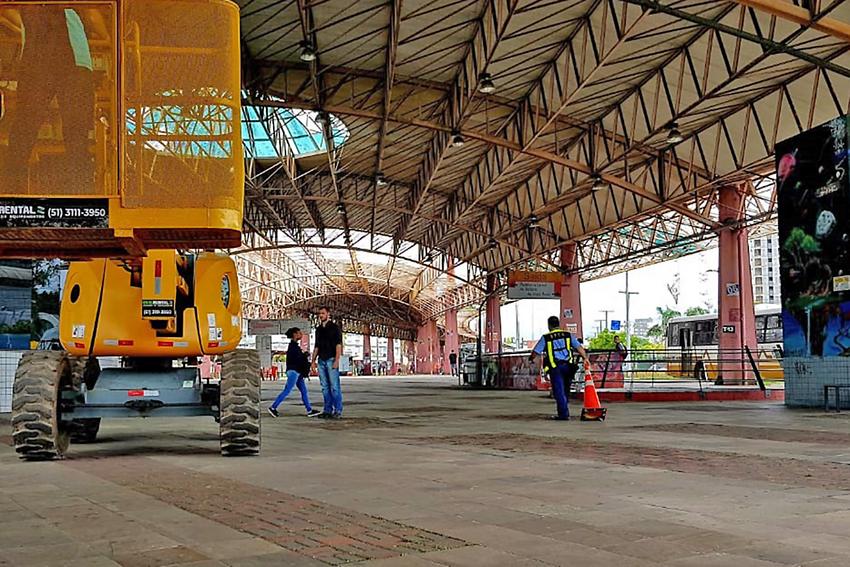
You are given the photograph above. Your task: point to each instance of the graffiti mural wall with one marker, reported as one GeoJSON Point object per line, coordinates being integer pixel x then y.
{"type": "Point", "coordinates": [814, 236]}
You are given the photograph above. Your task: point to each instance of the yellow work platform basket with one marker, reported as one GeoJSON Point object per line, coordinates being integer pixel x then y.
{"type": "Point", "coordinates": [119, 127]}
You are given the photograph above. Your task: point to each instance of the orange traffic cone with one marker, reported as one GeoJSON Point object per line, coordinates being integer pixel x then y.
{"type": "Point", "coordinates": [592, 410]}
{"type": "Point", "coordinates": [540, 383]}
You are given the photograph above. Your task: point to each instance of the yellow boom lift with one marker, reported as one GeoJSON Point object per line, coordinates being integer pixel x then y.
{"type": "Point", "coordinates": [121, 150]}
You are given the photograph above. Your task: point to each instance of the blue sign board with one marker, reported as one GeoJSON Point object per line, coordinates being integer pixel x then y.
{"type": "Point", "coordinates": [615, 325]}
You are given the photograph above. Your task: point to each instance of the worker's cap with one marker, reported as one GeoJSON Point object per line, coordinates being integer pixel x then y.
{"type": "Point", "coordinates": [290, 332]}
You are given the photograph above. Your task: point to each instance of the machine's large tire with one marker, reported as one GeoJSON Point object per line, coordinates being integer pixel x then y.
{"type": "Point", "coordinates": [84, 430]}
{"type": "Point", "coordinates": [85, 370]}
{"type": "Point", "coordinates": [37, 430]}
{"type": "Point", "coordinates": [239, 403]}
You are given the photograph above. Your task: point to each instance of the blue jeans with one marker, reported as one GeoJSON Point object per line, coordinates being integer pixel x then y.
{"type": "Point", "coordinates": [561, 378]}
{"type": "Point", "coordinates": [293, 379]}
{"type": "Point", "coordinates": [329, 378]}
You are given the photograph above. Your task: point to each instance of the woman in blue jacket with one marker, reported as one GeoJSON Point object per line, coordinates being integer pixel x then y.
{"type": "Point", "coordinates": [297, 367]}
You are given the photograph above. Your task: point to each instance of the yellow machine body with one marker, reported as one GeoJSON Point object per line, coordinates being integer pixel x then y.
{"type": "Point", "coordinates": [120, 127]}
{"type": "Point", "coordinates": [168, 305]}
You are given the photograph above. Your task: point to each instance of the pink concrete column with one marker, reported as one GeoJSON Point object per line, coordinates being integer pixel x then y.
{"type": "Point", "coordinates": [425, 348]}
{"type": "Point", "coordinates": [391, 365]}
{"type": "Point", "coordinates": [452, 339]}
{"type": "Point", "coordinates": [410, 349]}
{"type": "Point", "coordinates": [433, 348]}
{"type": "Point", "coordinates": [367, 351]}
{"type": "Point", "coordinates": [493, 328]}
{"type": "Point", "coordinates": [736, 313]}
{"type": "Point", "coordinates": [570, 293]}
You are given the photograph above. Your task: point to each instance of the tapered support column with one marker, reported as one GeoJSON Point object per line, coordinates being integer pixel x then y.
{"type": "Point", "coordinates": [736, 313]}
{"type": "Point", "coordinates": [367, 351]}
{"type": "Point", "coordinates": [452, 340]}
{"type": "Point", "coordinates": [392, 369]}
{"type": "Point", "coordinates": [427, 348]}
{"type": "Point", "coordinates": [493, 327]}
{"type": "Point", "coordinates": [570, 293]}
{"type": "Point", "coordinates": [410, 350]}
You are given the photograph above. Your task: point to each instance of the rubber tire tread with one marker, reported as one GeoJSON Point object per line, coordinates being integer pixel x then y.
{"type": "Point", "coordinates": [239, 403]}
{"type": "Point", "coordinates": [84, 370]}
{"type": "Point", "coordinates": [35, 421]}
{"type": "Point", "coordinates": [84, 430]}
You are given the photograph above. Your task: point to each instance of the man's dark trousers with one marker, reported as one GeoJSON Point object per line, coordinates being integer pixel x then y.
{"type": "Point", "coordinates": [561, 378]}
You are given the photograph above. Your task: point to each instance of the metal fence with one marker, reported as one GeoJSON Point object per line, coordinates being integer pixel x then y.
{"type": "Point", "coordinates": [640, 369]}
{"type": "Point", "coordinates": [8, 364]}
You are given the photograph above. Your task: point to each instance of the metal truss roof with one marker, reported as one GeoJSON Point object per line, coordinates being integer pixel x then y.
{"type": "Point", "coordinates": [583, 88]}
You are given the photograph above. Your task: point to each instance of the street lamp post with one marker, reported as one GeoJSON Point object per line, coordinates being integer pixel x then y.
{"type": "Point", "coordinates": [628, 295]}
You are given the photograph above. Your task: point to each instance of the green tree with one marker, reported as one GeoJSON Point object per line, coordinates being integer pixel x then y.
{"type": "Point", "coordinates": [691, 311]}
{"type": "Point", "coordinates": [605, 341]}
{"type": "Point", "coordinates": [667, 314]}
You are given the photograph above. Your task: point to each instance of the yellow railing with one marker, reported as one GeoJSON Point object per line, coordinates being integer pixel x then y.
{"type": "Point", "coordinates": [161, 130]}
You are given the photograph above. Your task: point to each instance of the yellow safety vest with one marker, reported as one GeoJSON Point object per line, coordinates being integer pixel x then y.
{"type": "Point", "coordinates": [549, 361]}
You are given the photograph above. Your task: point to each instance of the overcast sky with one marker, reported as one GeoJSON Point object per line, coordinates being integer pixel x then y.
{"type": "Point", "coordinates": [698, 287]}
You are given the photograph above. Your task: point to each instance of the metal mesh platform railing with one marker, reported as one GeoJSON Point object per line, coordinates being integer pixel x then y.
{"type": "Point", "coordinates": [641, 369]}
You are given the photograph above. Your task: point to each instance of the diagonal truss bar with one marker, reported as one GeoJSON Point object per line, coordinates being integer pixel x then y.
{"type": "Point", "coordinates": [799, 15]}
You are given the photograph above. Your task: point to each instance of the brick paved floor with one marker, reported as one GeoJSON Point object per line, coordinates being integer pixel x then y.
{"type": "Point", "coordinates": [420, 474]}
{"type": "Point", "coordinates": [304, 526]}
{"type": "Point", "coordinates": [766, 433]}
{"type": "Point", "coordinates": [799, 472]}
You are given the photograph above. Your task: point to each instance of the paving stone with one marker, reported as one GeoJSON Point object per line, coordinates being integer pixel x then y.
{"type": "Point", "coordinates": [144, 540]}
{"type": "Point", "coordinates": [160, 557]}
{"type": "Point", "coordinates": [785, 554]}
{"type": "Point", "coordinates": [49, 555]}
{"type": "Point", "coordinates": [235, 548]}
{"type": "Point", "coordinates": [837, 561]}
{"type": "Point", "coordinates": [623, 493]}
{"type": "Point", "coordinates": [33, 532]}
{"type": "Point", "coordinates": [403, 561]}
{"type": "Point", "coordinates": [278, 559]}
{"type": "Point", "coordinates": [478, 556]}
{"type": "Point", "coordinates": [721, 560]}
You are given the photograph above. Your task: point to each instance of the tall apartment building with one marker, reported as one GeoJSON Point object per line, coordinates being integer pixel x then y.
{"type": "Point", "coordinates": [764, 261]}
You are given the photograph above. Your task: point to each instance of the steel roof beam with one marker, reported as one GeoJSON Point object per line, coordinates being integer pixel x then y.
{"type": "Point", "coordinates": [799, 15]}
{"type": "Point", "coordinates": [492, 25]}
{"type": "Point", "coordinates": [527, 122]}
{"type": "Point", "coordinates": [320, 246]}
{"type": "Point", "coordinates": [389, 77]}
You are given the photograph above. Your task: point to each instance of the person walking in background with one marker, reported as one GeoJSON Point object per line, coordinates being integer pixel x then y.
{"type": "Point", "coordinates": [326, 355]}
{"type": "Point", "coordinates": [620, 348]}
{"type": "Point", "coordinates": [559, 350]}
{"type": "Point", "coordinates": [453, 362]}
{"type": "Point", "coordinates": [297, 368]}
{"type": "Point", "coordinates": [618, 357]}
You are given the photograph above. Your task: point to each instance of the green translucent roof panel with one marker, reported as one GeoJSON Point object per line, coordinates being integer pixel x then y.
{"type": "Point", "coordinates": [301, 133]}
{"type": "Point", "coordinates": [267, 133]}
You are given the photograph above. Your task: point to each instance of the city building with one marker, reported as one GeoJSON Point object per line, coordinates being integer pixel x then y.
{"type": "Point", "coordinates": [764, 260]}
{"type": "Point", "coordinates": [640, 327]}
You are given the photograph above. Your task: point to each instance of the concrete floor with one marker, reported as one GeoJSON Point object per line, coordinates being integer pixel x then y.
{"type": "Point", "coordinates": [421, 474]}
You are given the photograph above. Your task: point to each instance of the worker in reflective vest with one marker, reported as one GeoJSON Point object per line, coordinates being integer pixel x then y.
{"type": "Point", "coordinates": [559, 350]}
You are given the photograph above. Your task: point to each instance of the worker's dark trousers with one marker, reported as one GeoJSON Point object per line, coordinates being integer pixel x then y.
{"type": "Point", "coordinates": [561, 378]}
